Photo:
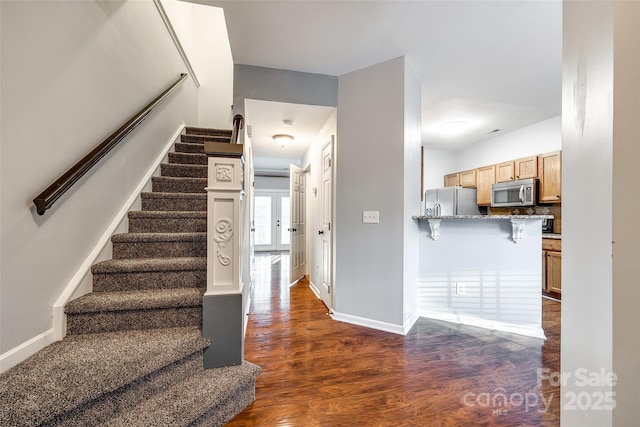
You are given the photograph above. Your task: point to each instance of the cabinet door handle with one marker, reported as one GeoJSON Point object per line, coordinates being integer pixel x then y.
{"type": "Point", "coordinates": [321, 232]}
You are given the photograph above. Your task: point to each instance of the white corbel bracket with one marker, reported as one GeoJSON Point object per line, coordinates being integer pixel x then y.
{"type": "Point", "coordinates": [517, 229]}
{"type": "Point", "coordinates": [434, 226]}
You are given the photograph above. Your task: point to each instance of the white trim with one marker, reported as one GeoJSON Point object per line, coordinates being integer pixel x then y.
{"type": "Point", "coordinates": [493, 325]}
{"type": "Point", "coordinates": [314, 289]}
{"type": "Point", "coordinates": [176, 40]}
{"type": "Point", "coordinates": [59, 318]}
{"type": "Point", "coordinates": [27, 349]}
{"type": "Point", "coordinates": [245, 312]}
{"type": "Point", "coordinates": [408, 324]}
{"type": "Point", "coordinates": [369, 323]}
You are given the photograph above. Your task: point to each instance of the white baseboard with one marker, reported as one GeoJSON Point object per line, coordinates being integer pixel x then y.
{"type": "Point", "coordinates": [493, 325]}
{"type": "Point", "coordinates": [25, 350]}
{"type": "Point", "coordinates": [84, 271]}
{"type": "Point", "coordinates": [369, 323]}
{"type": "Point", "coordinates": [314, 289]}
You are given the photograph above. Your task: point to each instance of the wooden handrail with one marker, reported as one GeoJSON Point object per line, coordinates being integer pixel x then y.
{"type": "Point", "coordinates": [60, 186]}
{"type": "Point", "coordinates": [238, 124]}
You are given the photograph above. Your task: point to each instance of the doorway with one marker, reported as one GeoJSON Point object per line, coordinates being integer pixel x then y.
{"type": "Point", "coordinates": [272, 220]}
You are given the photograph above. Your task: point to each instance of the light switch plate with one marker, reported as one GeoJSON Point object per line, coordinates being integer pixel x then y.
{"type": "Point", "coordinates": [371, 217]}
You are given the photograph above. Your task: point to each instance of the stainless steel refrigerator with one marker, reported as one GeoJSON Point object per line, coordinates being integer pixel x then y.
{"type": "Point", "coordinates": [451, 201]}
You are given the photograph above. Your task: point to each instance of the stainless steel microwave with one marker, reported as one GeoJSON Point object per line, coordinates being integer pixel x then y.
{"type": "Point", "coordinates": [514, 193]}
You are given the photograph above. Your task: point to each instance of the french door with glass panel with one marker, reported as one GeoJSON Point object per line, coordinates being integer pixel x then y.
{"type": "Point", "coordinates": [272, 220]}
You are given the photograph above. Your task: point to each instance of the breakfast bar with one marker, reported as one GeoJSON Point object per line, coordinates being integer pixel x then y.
{"type": "Point", "coordinates": [482, 270]}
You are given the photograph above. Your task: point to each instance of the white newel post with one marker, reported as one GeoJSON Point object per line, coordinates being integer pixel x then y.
{"type": "Point", "coordinates": [222, 320]}
{"type": "Point", "coordinates": [223, 224]}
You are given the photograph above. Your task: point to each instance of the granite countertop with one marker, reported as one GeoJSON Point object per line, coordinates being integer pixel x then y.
{"type": "Point", "coordinates": [482, 217]}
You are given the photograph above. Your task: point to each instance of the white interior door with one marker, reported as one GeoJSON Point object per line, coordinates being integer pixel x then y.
{"type": "Point", "coordinates": [297, 192]}
{"type": "Point", "coordinates": [271, 220]}
{"type": "Point", "coordinates": [326, 233]}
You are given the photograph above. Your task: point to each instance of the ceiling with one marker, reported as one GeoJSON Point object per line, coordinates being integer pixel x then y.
{"type": "Point", "coordinates": [496, 65]}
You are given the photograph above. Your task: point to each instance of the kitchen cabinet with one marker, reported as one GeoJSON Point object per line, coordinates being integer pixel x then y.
{"type": "Point", "coordinates": [527, 167]}
{"type": "Point", "coordinates": [552, 265]}
{"type": "Point", "coordinates": [451, 180]}
{"type": "Point", "coordinates": [467, 179]}
{"type": "Point", "coordinates": [505, 171]}
{"type": "Point", "coordinates": [485, 177]}
{"type": "Point", "coordinates": [549, 172]}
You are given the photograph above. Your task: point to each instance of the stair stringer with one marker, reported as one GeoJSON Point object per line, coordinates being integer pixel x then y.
{"type": "Point", "coordinates": [81, 283]}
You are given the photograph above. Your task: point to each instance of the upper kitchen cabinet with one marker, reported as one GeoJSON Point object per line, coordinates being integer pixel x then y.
{"type": "Point", "coordinates": [451, 180]}
{"type": "Point", "coordinates": [467, 179]}
{"type": "Point", "coordinates": [526, 167]}
{"type": "Point", "coordinates": [505, 171]}
{"type": "Point", "coordinates": [485, 177]}
{"type": "Point", "coordinates": [549, 172]}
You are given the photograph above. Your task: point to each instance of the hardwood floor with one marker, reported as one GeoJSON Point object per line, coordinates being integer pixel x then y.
{"type": "Point", "coordinates": [321, 372]}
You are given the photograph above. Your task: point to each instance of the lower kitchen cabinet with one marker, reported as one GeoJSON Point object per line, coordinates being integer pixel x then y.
{"type": "Point", "coordinates": [552, 266]}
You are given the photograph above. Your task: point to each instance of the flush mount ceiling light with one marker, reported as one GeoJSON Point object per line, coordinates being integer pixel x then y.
{"type": "Point", "coordinates": [283, 139]}
{"type": "Point", "coordinates": [452, 128]}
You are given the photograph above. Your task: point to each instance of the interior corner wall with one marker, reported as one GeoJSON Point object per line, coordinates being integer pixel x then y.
{"type": "Point", "coordinates": [202, 31]}
{"type": "Point", "coordinates": [587, 167]}
{"type": "Point", "coordinates": [626, 205]}
{"type": "Point", "coordinates": [270, 84]}
{"type": "Point", "coordinates": [71, 73]}
{"type": "Point", "coordinates": [412, 188]}
{"type": "Point", "coordinates": [369, 257]}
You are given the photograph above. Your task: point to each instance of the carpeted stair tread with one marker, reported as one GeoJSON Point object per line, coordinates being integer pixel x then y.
{"type": "Point", "coordinates": [159, 245]}
{"type": "Point", "coordinates": [189, 147]}
{"type": "Point", "coordinates": [158, 237]}
{"type": "Point", "coordinates": [203, 395]}
{"type": "Point", "coordinates": [204, 138]}
{"type": "Point", "coordinates": [82, 368]}
{"type": "Point", "coordinates": [135, 300]}
{"type": "Point", "coordinates": [171, 184]}
{"type": "Point", "coordinates": [164, 201]}
{"type": "Point", "coordinates": [142, 265]}
{"type": "Point", "coordinates": [195, 130]}
{"type": "Point", "coordinates": [167, 221]}
{"type": "Point", "coordinates": [185, 171]}
{"type": "Point", "coordinates": [188, 158]}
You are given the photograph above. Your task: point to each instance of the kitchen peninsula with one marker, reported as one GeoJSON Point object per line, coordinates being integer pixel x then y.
{"type": "Point", "coordinates": [482, 270]}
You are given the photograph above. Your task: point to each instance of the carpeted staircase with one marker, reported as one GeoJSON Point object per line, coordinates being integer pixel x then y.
{"type": "Point", "coordinates": [133, 351]}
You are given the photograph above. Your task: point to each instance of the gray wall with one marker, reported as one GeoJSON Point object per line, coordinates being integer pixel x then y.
{"type": "Point", "coordinates": [271, 84]}
{"type": "Point", "coordinates": [71, 73]}
{"type": "Point", "coordinates": [369, 257]}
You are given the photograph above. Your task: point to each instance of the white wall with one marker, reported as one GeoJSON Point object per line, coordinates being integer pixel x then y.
{"type": "Point", "coordinates": [541, 137]}
{"type": "Point", "coordinates": [202, 31]}
{"type": "Point", "coordinates": [437, 164]}
{"type": "Point", "coordinates": [271, 183]}
{"type": "Point", "coordinates": [369, 257]}
{"type": "Point", "coordinates": [411, 194]}
{"type": "Point", "coordinates": [71, 73]}
{"type": "Point", "coordinates": [587, 146]}
{"type": "Point", "coordinates": [626, 205]}
{"type": "Point", "coordinates": [313, 159]}
{"type": "Point", "coordinates": [502, 278]}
